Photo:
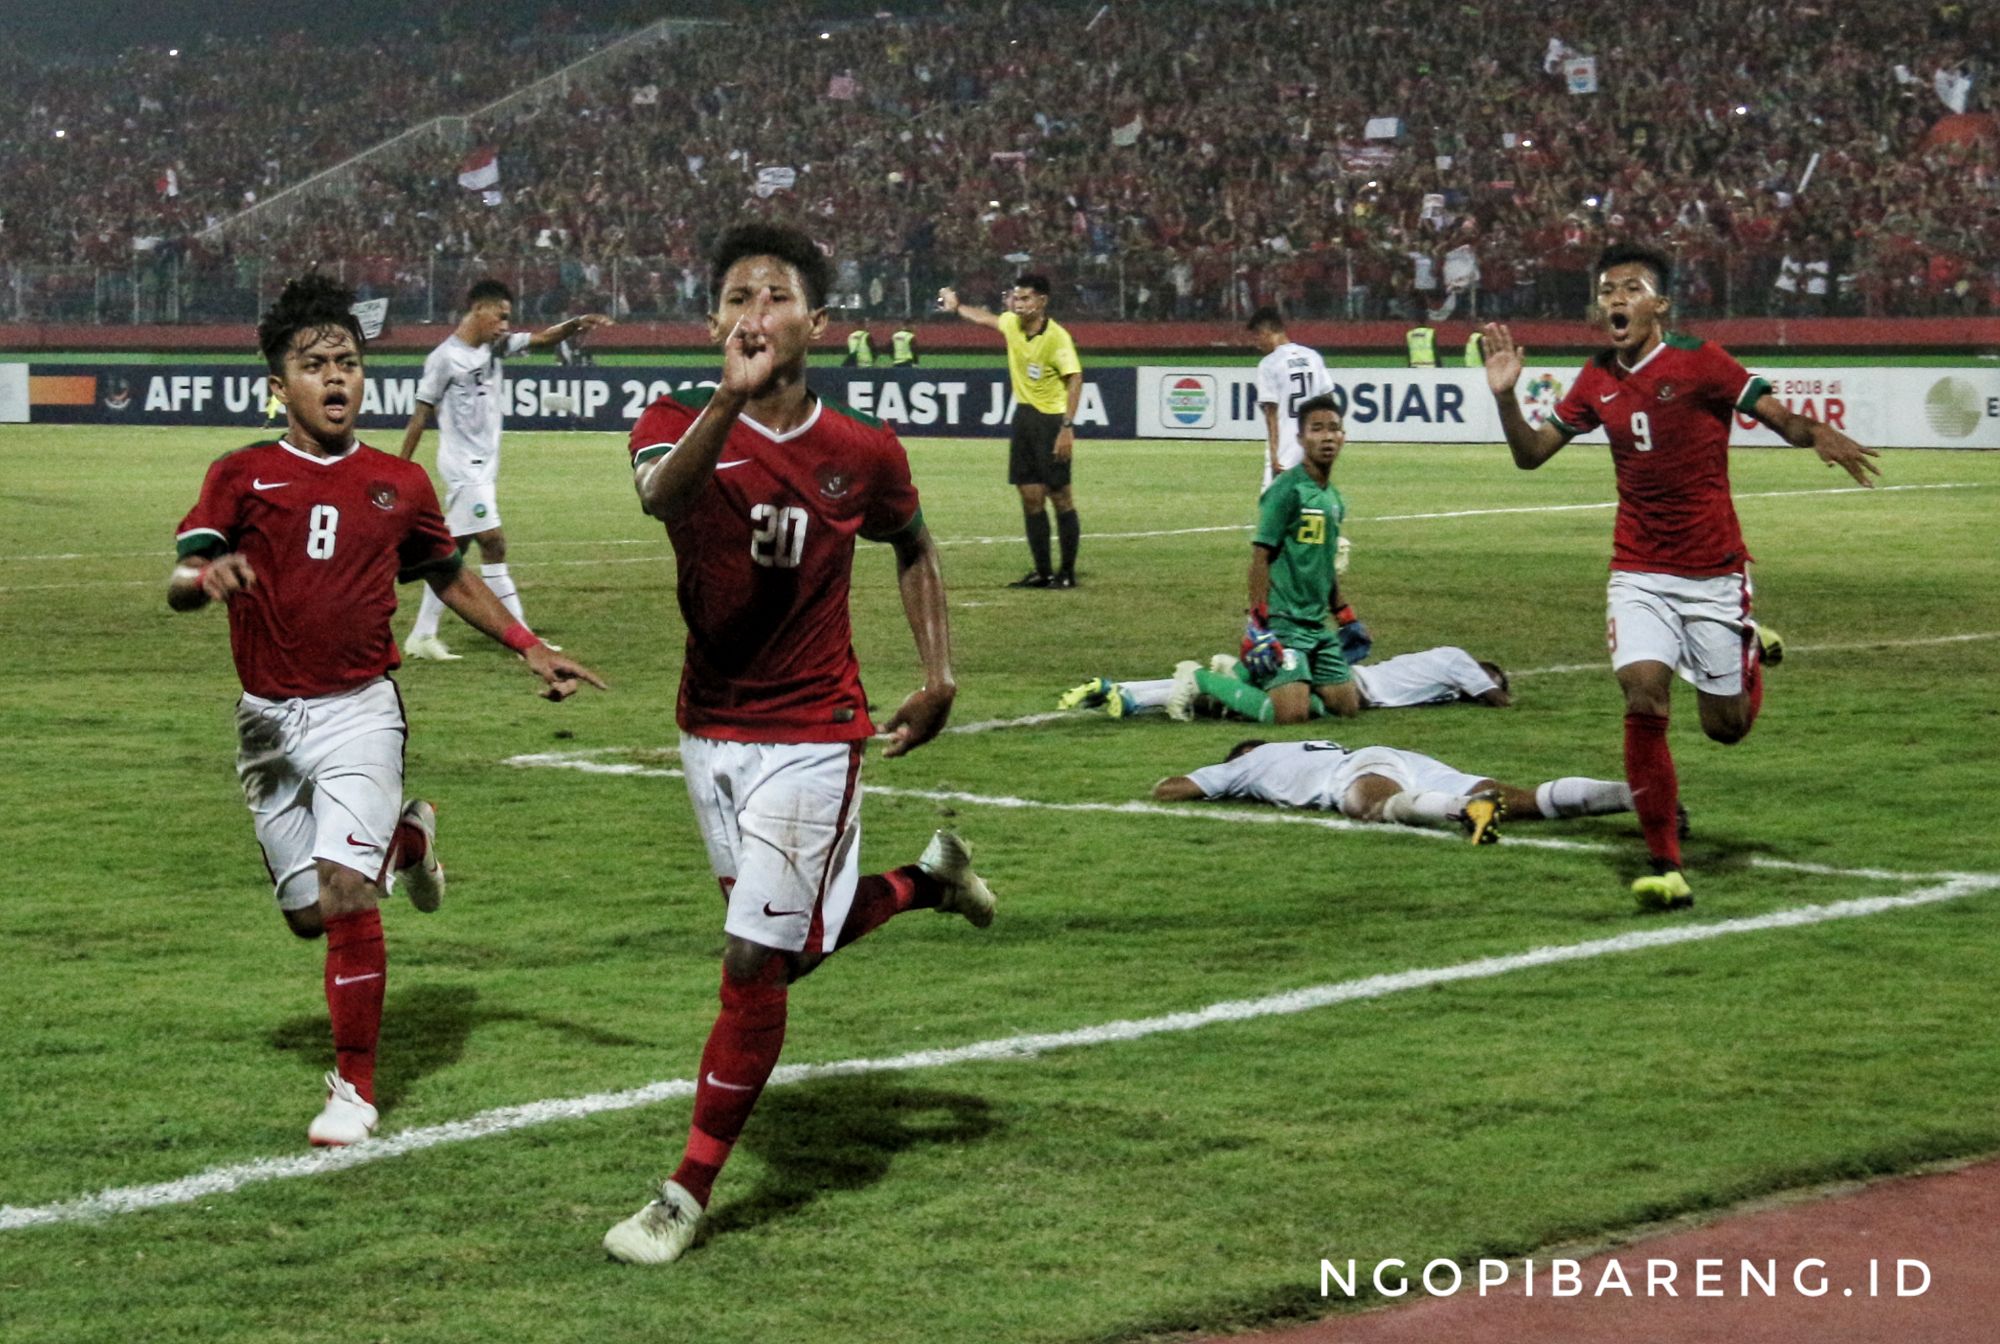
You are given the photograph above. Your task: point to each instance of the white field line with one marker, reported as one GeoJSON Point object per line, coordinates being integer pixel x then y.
{"type": "Point", "coordinates": [1243, 815]}
{"type": "Point", "coordinates": [162, 553]}
{"type": "Point", "coordinates": [1007, 1049]}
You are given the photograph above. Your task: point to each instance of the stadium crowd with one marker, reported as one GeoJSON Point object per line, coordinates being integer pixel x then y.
{"type": "Point", "coordinates": [1176, 159]}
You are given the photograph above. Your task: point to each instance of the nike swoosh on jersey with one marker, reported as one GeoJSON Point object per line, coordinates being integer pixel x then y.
{"type": "Point", "coordinates": [1609, 396]}
{"type": "Point", "coordinates": [733, 1087]}
{"type": "Point", "coordinates": [725, 466]}
{"type": "Point", "coordinates": [356, 979]}
{"type": "Point", "coordinates": [256, 484]}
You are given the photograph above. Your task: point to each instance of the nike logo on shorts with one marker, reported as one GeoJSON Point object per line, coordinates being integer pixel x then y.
{"type": "Point", "coordinates": [769, 913]}
{"type": "Point", "coordinates": [359, 844]}
{"type": "Point", "coordinates": [356, 979]}
{"type": "Point", "coordinates": [714, 1081]}
{"type": "Point", "coordinates": [256, 484]}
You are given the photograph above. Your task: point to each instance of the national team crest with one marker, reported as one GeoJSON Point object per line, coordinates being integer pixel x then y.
{"type": "Point", "coordinates": [383, 496]}
{"type": "Point", "coordinates": [834, 483]}
{"type": "Point", "coordinates": [1666, 391]}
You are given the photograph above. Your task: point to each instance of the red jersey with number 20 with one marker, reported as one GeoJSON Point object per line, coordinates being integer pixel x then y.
{"type": "Point", "coordinates": [765, 556]}
{"type": "Point", "coordinates": [1668, 419]}
{"type": "Point", "coordinates": [328, 539]}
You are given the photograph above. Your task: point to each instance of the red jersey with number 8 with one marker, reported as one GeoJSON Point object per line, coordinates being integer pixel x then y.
{"type": "Point", "coordinates": [1668, 419]}
{"type": "Point", "coordinates": [764, 559]}
{"type": "Point", "coordinates": [328, 539]}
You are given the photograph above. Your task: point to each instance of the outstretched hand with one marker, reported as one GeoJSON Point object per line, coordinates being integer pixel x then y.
{"type": "Point", "coordinates": [919, 719]}
{"type": "Point", "coordinates": [1504, 359]}
{"type": "Point", "coordinates": [1837, 450]}
{"type": "Point", "coordinates": [561, 675]}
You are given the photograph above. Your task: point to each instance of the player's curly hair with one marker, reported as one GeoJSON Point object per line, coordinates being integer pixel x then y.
{"type": "Point", "coordinates": [791, 246]}
{"type": "Point", "coordinates": [1652, 258]}
{"type": "Point", "coordinates": [310, 303]}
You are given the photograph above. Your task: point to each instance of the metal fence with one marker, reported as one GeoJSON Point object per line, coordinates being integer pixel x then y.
{"type": "Point", "coordinates": [173, 287]}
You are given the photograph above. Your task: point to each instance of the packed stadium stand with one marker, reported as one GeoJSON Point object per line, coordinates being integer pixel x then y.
{"type": "Point", "coordinates": [1414, 157]}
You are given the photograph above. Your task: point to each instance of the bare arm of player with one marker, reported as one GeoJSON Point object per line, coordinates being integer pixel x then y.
{"type": "Point", "coordinates": [1531, 446]}
{"type": "Point", "coordinates": [413, 433]}
{"type": "Point", "coordinates": [1066, 438]}
{"type": "Point", "coordinates": [1178, 789]}
{"type": "Point", "coordinates": [467, 594]}
{"type": "Point", "coordinates": [971, 312]}
{"type": "Point", "coordinates": [922, 716]}
{"type": "Point", "coordinates": [196, 583]}
{"type": "Point", "coordinates": [1271, 435]}
{"type": "Point", "coordinates": [562, 331]}
{"type": "Point", "coordinates": [669, 485]}
{"type": "Point", "coordinates": [1834, 448]}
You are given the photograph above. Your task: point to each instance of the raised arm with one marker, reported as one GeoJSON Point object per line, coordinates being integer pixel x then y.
{"type": "Point", "coordinates": [413, 433]}
{"type": "Point", "coordinates": [1531, 446]}
{"type": "Point", "coordinates": [562, 331]}
{"type": "Point", "coordinates": [1834, 448]}
{"type": "Point", "coordinates": [948, 300]}
{"type": "Point", "coordinates": [669, 485]}
{"type": "Point", "coordinates": [921, 580]}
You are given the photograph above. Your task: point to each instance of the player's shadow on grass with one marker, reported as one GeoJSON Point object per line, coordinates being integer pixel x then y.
{"type": "Point", "coordinates": [842, 1134]}
{"type": "Point", "coordinates": [425, 1029]}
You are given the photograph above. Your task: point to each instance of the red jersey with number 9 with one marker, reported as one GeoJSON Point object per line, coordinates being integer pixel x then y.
{"type": "Point", "coordinates": [1668, 419]}
{"type": "Point", "coordinates": [328, 539]}
{"type": "Point", "coordinates": [764, 558]}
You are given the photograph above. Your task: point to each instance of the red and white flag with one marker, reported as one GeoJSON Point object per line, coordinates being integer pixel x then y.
{"type": "Point", "coordinates": [169, 183]}
{"type": "Point", "coordinates": [480, 169]}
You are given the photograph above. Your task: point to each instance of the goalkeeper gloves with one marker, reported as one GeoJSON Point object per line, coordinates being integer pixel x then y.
{"type": "Point", "coordinates": [1263, 652]}
{"type": "Point", "coordinates": [1355, 642]}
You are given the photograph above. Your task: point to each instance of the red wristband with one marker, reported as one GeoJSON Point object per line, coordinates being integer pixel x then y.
{"type": "Point", "coordinates": [1344, 616]}
{"type": "Point", "coordinates": [519, 638]}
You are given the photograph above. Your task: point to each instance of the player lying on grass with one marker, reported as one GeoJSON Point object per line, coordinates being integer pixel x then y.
{"type": "Point", "coordinates": [1388, 784]}
{"type": "Point", "coordinates": [1440, 676]}
{"type": "Point", "coordinates": [1680, 573]}
{"type": "Point", "coordinates": [305, 541]}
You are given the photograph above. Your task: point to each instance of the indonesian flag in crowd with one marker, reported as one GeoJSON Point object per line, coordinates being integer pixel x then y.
{"type": "Point", "coordinates": [480, 170]}
{"type": "Point", "coordinates": [169, 183]}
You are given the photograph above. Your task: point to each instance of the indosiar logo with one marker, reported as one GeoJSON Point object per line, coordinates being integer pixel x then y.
{"type": "Point", "coordinates": [1188, 400]}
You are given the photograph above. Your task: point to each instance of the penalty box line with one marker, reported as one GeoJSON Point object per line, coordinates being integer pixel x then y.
{"type": "Point", "coordinates": [1007, 1049]}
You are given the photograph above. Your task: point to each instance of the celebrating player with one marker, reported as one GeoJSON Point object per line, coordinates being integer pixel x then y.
{"type": "Point", "coordinates": [1048, 387]}
{"type": "Point", "coordinates": [1680, 583]}
{"type": "Point", "coordinates": [462, 381]}
{"type": "Point", "coordinates": [1441, 676]}
{"type": "Point", "coordinates": [763, 489]}
{"type": "Point", "coordinates": [305, 540]}
{"type": "Point", "coordinates": [1287, 375]}
{"type": "Point", "coordinates": [1386, 784]}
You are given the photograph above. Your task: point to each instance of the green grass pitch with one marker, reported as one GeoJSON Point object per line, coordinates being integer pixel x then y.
{"type": "Point", "coordinates": [159, 1023]}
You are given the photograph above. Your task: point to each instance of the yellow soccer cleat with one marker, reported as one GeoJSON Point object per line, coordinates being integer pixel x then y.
{"type": "Point", "coordinates": [1482, 817]}
{"type": "Point", "coordinates": [1666, 889]}
{"type": "Point", "coordinates": [1089, 695]}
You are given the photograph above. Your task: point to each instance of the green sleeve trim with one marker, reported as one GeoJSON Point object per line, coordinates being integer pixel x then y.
{"type": "Point", "coordinates": [200, 541]}
{"type": "Point", "coordinates": [909, 529]}
{"type": "Point", "coordinates": [842, 408]}
{"type": "Point", "coordinates": [1564, 425]}
{"type": "Point", "coordinates": [651, 451]}
{"type": "Point", "coordinates": [447, 565]}
{"type": "Point", "coordinates": [694, 398]}
{"type": "Point", "coordinates": [1681, 342]}
{"type": "Point", "coordinates": [1754, 391]}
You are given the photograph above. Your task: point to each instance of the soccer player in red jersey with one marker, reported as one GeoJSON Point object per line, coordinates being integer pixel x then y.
{"type": "Point", "coordinates": [305, 540]}
{"type": "Point", "coordinates": [1679, 594]}
{"type": "Point", "coordinates": [763, 489]}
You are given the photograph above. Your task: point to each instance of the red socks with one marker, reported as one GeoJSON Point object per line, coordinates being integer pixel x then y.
{"type": "Point", "coordinates": [882, 896]}
{"type": "Point", "coordinates": [742, 1050]}
{"type": "Point", "coordinates": [1649, 769]}
{"type": "Point", "coordinates": [356, 969]}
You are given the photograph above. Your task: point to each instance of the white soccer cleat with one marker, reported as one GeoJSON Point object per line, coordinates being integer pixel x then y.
{"type": "Point", "coordinates": [1223, 664]}
{"type": "Point", "coordinates": [948, 859]}
{"type": "Point", "coordinates": [1180, 700]}
{"type": "Point", "coordinates": [658, 1233]}
{"type": "Point", "coordinates": [429, 649]}
{"type": "Point", "coordinates": [421, 875]}
{"type": "Point", "coordinates": [346, 1119]}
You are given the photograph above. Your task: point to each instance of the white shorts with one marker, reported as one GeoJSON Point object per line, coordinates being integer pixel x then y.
{"type": "Point", "coordinates": [324, 780]}
{"type": "Point", "coordinates": [782, 822]}
{"type": "Point", "coordinates": [1411, 770]}
{"type": "Point", "coordinates": [1700, 627]}
{"type": "Point", "coordinates": [470, 506]}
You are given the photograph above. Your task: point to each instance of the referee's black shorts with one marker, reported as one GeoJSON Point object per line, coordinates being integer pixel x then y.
{"type": "Point", "coordinates": [1033, 460]}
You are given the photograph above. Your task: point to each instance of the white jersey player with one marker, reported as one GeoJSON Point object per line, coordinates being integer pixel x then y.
{"type": "Point", "coordinates": [1288, 375]}
{"type": "Point", "coordinates": [464, 383]}
{"type": "Point", "coordinates": [1388, 784]}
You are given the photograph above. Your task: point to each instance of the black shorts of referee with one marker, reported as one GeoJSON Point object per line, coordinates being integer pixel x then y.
{"type": "Point", "coordinates": [1033, 460]}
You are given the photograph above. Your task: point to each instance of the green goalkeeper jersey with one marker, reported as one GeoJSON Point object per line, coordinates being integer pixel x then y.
{"type": "Point", "coordinates": [1300, 519]}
